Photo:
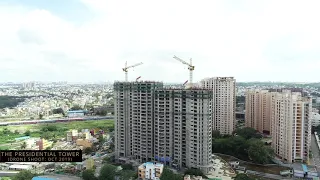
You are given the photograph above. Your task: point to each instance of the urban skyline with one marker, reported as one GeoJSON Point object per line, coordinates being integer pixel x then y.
{"type": "Point", "coordinates": [90, 40]}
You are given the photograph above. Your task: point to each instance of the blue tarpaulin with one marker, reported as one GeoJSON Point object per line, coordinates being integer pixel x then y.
{"type": "Point", "coordinates": [42, 178]}
{"type": "Point", "coordinates": [22, 138]}
{"type": "Point", "coordinates": [305, 168]}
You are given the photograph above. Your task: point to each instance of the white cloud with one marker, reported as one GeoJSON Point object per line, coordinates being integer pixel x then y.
{"type": "Point", "coordinates": [251, 40]}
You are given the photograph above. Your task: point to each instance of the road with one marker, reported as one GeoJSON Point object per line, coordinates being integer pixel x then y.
{"type": "Point", "coordinates": [315, 151]}
{"type": "Point", "coordinates": [266, 175]}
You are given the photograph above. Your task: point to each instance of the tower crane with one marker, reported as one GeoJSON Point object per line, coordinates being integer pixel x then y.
{"type": "Point", "coordinates": [125, 69]}
{"type": "Point", "coordinates": [190, 67]}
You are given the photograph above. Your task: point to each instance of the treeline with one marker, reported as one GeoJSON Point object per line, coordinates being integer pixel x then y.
{"type": "Point", "coordinates": [245, 144]}
{"type": "Point", "coordinates": [10, 101]}
{"type": "Point", "coordinates": [100, 111]}
{"type": "Point", "coordinates": [240, 99]}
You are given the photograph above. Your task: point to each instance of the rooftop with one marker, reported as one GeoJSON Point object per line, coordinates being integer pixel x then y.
{"type": "Point", "coordinates": [152, 164]}
{"type": "Point", "coordinates": [42, 178]}
{"type": "Point", "coordinates": [303, 167]}
{"type": "Point", "coordinates": [19, 166]}
{"type": "Point", "coordinates": [77, 111]}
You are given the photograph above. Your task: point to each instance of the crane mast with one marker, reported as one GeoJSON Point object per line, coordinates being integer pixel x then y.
{"type": "Point", "coordinates": [190, 67]}
{"type": "Point", "coordinates": [126, 67]}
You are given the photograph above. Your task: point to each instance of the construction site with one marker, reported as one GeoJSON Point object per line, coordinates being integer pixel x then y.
{"type": "Point", "coordinates": [172, 126]}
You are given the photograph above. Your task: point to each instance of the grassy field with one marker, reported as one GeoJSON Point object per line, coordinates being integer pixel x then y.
{"type": "Point", "coordinates": [49, 131]}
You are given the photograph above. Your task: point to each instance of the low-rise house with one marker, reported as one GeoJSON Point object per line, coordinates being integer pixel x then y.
{"type": "Point", "coordinates": [150, 171]}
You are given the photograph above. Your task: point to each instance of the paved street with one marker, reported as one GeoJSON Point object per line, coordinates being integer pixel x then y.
{"type": "Point", "coordinates": [266, 175]}
{"type": "Point", "coordinates": [315, 151]}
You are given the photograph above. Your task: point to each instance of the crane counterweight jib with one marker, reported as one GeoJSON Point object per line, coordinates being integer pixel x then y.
{"type": "Point", "coordinates": [190, 67]}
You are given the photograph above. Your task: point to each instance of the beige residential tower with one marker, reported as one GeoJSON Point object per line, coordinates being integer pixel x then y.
{"type": "Point", "coordinates": [223, 102]}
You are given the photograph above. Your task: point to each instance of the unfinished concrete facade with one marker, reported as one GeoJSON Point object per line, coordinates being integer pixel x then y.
{"type": "Point", "coordinates": [134, 104]}
{"type": "Point", "coordinates": [184, 126]}
{"type": "Point", "coordinates": [172, 126]}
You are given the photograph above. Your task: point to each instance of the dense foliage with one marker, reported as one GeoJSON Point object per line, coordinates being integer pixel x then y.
{"type": "Point", "coordinates": [248, 133]}
{"type": "Point", "coordinates": [246, 146]}
{"type": "Point", "coordinates": [10, 101]}
{"type": "Point", "coordinates": [167, 174]}
{"type": "Point", "coordinates": [242, 176]}
{"type": "Point", "coordinates": [88, 175]}
{"type": "Point", "coordinates": [58, 111]}
{"type": "Point", "coordinates": [76, 108]}
{"type": "Point", "coordinates": [108, 172]}
{"type": "Point", "coordinates": [24, 175]}
{"type": "Point", "coordinates": [240, 99]}
{"type": "Point", "coordinates": [195, 172]}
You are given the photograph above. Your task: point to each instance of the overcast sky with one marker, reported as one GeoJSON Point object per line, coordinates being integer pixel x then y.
{"type": "Point", "coordinates": [90, 40]}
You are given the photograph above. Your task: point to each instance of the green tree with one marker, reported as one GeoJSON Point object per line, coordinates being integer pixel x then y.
{"type": "Point", "coordinates": [50, 127]}
{"type": "Point", "coordinates": [167, 174]}
{"type": "Point", "coordinates": [107, 172]}
{"type": "Point", "coordinates": [27, 133]}
{"type": "Point", "coordinates": [88, 175]}
{"type": "Point", "coordinates": [259, 153]}
{"type": "Point", "coordinates": [127, 167]}
{"type": "Point", "coordinates": [58, 111]}
{"type": "Point", "coordinates": [10, 101]}
{"type": "Point", "coordinates": [242, 176]}
{"type": "Point", "coordinates": [108, 159]}
{"type": "Point", "coordinates": [216, 134]}
{"type": "Point", "coordinates": [252, 149]}
{"type": "Point", "coordinates": [194, 171]}
{"type": "Point", "coordinates": [76, 107]}
{"type": "Point", "coordinates": [126, 174]}
{"type": "Point", "coordinates": [23, 145]}
{"type": "Point", "coordinates": [247, 133]}
{"type": "Point", "coordinates": [24, 175]}
{"type": "Point", "coordinates": [240, 99]}
{"type": "Point", "coordinates": [100, 138]}
{"type": "Point", "coordinates": [111, 128]}
{"type": "Point", "coordinates": [87, 150]}
{"type": "Point", "coordinates": [6, 131]}
{"type": "Point", "coordinates": [40, 116]}
{"type": "Point", "coordinates": [240, 147]}
{"type": "Point", "coordinates": [46, 135]}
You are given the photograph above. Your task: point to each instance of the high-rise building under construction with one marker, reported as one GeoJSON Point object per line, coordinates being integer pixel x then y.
{"type": "Point", "coordinates": [172, 126]}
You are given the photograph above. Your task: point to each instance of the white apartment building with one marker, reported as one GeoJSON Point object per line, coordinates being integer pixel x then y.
{"type": "Point", "coordinates": [150, 171]}
{"type": "Point", "coordinates": [315, 117]}
{"type": "Point", "coordinates": [171, 126]}
{"type": "Point", "coordinates": [291, 125]}
{"type": "Point", "coordinates": [258, 110]}
{"type": "Point", "coordinates": [224, 102]}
